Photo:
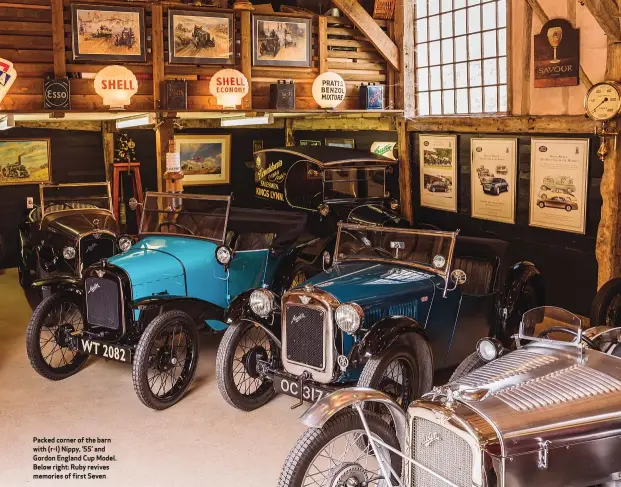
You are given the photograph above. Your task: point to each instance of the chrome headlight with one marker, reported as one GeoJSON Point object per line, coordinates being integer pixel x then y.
{"type": "Point", "coordinates": [489, 349]}
{"type": "Point", "coordinates": [223, 255]}
{"type": "Point", "coordinates": [125, 244]}
{"type": "Point", "coordinates": [69, 253]}
{"type": "Point", "coordinates": [261, 302]}
{"type": "Point", "coordinates": [348, 317]}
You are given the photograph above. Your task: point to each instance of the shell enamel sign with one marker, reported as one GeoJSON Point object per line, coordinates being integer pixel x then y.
{"type": "Point", "coordinates": [116, 85]}
{"type": "Point", "coordinates": [7, 77]}
{"type": "Point", "coordinates": [229, 86]}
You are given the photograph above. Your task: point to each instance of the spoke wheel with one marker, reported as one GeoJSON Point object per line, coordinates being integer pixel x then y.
{"type": "Point", "coordinates": [606, 307]}
{"type": "Point", "coordinates": [47, 336]}
{"type": "Point", "coordinates": [166, 359]}
{"type": "Point", "coordinates": [239, 381]}
{"type": "Point", "coordinates": [340, 454]}
{"type": "Point", "coordinates": [302, 272]}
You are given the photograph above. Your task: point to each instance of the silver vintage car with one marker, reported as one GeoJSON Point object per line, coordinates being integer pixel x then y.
{"type": "Point", "coordinates": [547, 414]}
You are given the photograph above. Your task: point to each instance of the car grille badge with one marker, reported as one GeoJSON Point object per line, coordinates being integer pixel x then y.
{"type": "Point", "coordinates": [305, 299]}
{"type": "Point", "coordinates": [343, 362]}
{"type": "Point", "coordinates": [99, 273]}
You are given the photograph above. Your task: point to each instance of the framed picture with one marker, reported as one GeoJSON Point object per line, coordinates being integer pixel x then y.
{"type": "Point", "coordinates": [24, 161]}
{"type": "Point", "coordinates": [558, 184]}
{"type": "Point", "coordinates": [493, 178]}
{"type": "Point", "coordinates": [345, 143]}
{"type": "Point", "coordinates": [310, 143]}
{"type": "Point", "coordinates": [106, 33]}
{"type": "Point", "coordinates": [200, 37]}
{"type": "Point", "coordinates": [438, 171]}
{"type": "Point", "coordinates": [281, 41]}
{"type": "Point", "coordinates": [205, 159]}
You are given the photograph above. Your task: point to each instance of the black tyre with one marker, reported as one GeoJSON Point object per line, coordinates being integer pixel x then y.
{"type": "Point", "coordinates": [24, 276]}
{"type": "Point", "coordinates": [470, 363]}
{"type": "Point", "coordinates": [568, 208]}
{"type": "Point", "coordinates": [301, 273]}
{"type": "Point", "coordinates": [341, 451]}
{"type": "Point", "coordinates": [496, 191]}
{"type": "Point", "coordinates": [237, 376]}
{"type": "Point", "coordinates": [541, 204]}
{"type": "Point", "coordinates": [166, 359]}
{"type": "Point", "coordinates": [46, 336]}
{"type": "Point", "coordinates": [394, 372]}
{"type": "Point", "coordinates": [432, 189]}
{"type": "Point", "coordinates": [526, 301]}
{"type": "Point", "coordinates": [606, 307]}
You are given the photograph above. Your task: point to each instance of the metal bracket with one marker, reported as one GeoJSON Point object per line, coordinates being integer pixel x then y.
{"type": "Point", "coordinates": [304, 376]}
{"type": "Point", "coordinates": [542, 459]}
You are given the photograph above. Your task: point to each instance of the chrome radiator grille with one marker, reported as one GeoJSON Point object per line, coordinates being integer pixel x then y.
{"type": "Point", "coordinates": [304, 331]}
{"type": "Point", "coordinates": [94, 249]}
{"type": "Point", "coordinates": [103, 301]}
{"type": "Point", "coordinates": [441, 451]}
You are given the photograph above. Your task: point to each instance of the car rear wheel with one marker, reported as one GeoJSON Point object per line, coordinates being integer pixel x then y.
{"type": "Point", "coordinates": [238, 378]}
{"type": "Point", "coordinates": [568, 207]}
{"type": "Point", "coordinates": [541, 204]}
{"type": "Point", "coordinates": [166, 359]}
{"type": "Point", "coordinates": [606, 307]}
{"type": "Point", "coordinates": [471, 363]}
{"type": "Point", "coordinates": [301, 272]}
{"type": "Point", "coordinates": [47, 336]}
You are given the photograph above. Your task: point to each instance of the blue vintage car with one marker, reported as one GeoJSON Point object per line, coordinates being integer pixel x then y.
{"type": "Point", "coordinates": [195, 254]}
{"type": "Point", "coordinates": [397, 305]}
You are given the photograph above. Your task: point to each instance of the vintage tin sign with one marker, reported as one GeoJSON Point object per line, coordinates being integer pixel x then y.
{"type": "Point", "coordinates": [557, 55]}
{"type": "Point", "coordinates": [57, 94]}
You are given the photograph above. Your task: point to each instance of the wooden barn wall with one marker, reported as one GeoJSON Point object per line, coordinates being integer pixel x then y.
{"type": "Point", "coordinates": [76, 157]}
{"type": "Point", "coordinates": [566, 260]}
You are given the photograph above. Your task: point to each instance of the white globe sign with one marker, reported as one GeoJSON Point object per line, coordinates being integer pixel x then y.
{"type": "Point", "coordinates": [329, 90]}
{"type": "Point", "coordinates": [229, 86]}
{"type": "Point", "coordinates": [116, 85]}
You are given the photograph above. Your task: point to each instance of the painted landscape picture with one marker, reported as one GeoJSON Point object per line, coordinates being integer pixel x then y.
{"type": "Point", "coordinates": [200, 38]}
{"type": "Point", "coordinates": [281, 41]}
{"type": "Point", "coordinates": [24, 161]}
{"type": "Point", "coordinates": [108, 33]}
{"type": "Point", "coordinates": [204, 159]}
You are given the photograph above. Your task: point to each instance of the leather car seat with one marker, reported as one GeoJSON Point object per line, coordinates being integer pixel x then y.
{"type": "Point", "coordinates": [254, 241]}
{"type": "Point", "coordinates": [479, 274]}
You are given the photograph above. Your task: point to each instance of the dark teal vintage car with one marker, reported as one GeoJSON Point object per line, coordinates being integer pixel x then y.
{"type": "Point", "coordinates": [194, 255]}
{"type": "Point", "coordinates": [397, 305]}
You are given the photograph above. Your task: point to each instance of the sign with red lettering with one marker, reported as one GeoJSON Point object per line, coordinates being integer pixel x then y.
{"type": "Point", "coordinates": [116, 85]}
{"type": "Point", "coordinates": [557, 55]}
{"type": "Point", "coordinates": [229, 86]}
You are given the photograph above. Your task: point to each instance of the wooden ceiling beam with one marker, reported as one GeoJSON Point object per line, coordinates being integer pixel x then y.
{"type": "Point", "coordinates": [365, 24]}
{"type": "Point", "coordinates": [606, 12]}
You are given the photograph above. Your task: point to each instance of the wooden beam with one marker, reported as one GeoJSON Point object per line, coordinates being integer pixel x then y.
{"type": "Point", "coordinates": [365, 24]}
{"type": "Point", "coordinates": [157, 48]}
{"type": "Point", "coordinates": [323, 44]}
{"type": "Point", "coordinates": [108, 130]}
{"type": "Point", "coordinates": [289, 137]}
{"type": "Point", "coordinates": [391, 77]}
{"type": "Point", "coordinates": [606, 12]}
{"type": "Point", "coordinates": [343, 123]}
{"type": "Point", "coordinates": [58, 39]}
{"type": "Point", "coordinates": [527, 49]}
{"type": "Point", "coordinates": [405, 91]}
{"type": "Point", "coordinates": [164, 132]}
{"type": "Point", "coordinates": [84, 125]}
{"type": "Point", "coordinates": [246, 55]}
{"type": "Point", "coordinates": [405, 170]}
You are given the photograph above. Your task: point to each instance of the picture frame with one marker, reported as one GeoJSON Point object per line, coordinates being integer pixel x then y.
{"type": "Point", "coordinates": [196, 37]}
{"type": "Point", "coordinates": [281, 41]}
{"type": "Point", "coordinates": [344, 143]}
{"type": "Point", "coordinates": [108, 33]}
{"type": "Point", "coordinates": [438, 171]}
{"type": "Point", "coordinates": [29, 161]}
{"type": "Point", "coordinates": [205, 159]}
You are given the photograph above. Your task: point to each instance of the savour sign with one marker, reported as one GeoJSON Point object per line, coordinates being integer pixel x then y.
{"type": "Point", "coordinates": [329, 90]}
{"type": "Point", "coordinates": [229, 86]}
{"type": "Point", "coordinates": [557, 55]}
{"type": "Point", "coordinates": [7, 77]}
{"type": "Point", "coordinates": [116, 85]}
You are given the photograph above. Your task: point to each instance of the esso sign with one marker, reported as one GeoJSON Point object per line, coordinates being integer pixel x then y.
{"type": "Point", "coordinates": [229, 86]}
{"type": "Point", "coordinates": [116, 85]}
{"type": "Point", "coordinates": [329, 90]}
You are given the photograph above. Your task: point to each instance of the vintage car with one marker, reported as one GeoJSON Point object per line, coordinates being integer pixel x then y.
{"type": "Point", "coordinates": [396, 305]}
{"type": "Point", "coordinates": [545, 415]}
{"type": "Point", "coordinates": [72, 228]}
{"type": "Point", "coordinates": [559, 183]}
{"type": "Point", "coordinates": [502, 169]}
{"type": "Point", "coordinates": [553, 199]}
{"type": "Point", "coordinates": [606, 307]}
{"type": "Point", "coordinates": [194, 255]}
{"type": "Point", "coordinates": [441, 186]}
{"type": "Point", "coordinates": [495, 186]}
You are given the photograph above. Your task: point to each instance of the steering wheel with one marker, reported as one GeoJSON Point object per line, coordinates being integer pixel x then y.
{"type": "Point", "coordinates": [569, 331]}
{"type": "Point", "coordinates": [64, 205]}
{"type": "Point", "coordinates": [178, 225]}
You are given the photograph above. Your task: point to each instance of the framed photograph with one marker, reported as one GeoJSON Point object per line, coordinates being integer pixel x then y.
{"type": "Point", "coordinates": [558, 184]}
{"type": "Point", "coordinates": [345, 143]}
{"type": "Point", "coordinates": [200, 37]}
{"type": "Point", "coordinates": [106, 33]}
{"type": "Point", "coordinates": [310, 143]}
{"type": "Point", "coordinates": [25, 161]}
{"type": "Point", "coordinates": [493, 178]}
{"type": "Point", "coordinates": [205, 159]}
{"type": "Point", "coordinates": [281, 41]}
{"type": "Point", "coordinates": [438, 171]}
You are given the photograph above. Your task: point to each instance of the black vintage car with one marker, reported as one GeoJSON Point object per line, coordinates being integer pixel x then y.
{"type": "Point", "coordinates": [396, 305]}
{"type": "Point", "coordinates": [72, 228]}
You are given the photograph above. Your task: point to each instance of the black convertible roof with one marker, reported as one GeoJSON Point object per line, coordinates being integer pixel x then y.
{"type": "Point", "coordinates": [287, 225]}
{"type": "Point", "coordinates": [332, 156]}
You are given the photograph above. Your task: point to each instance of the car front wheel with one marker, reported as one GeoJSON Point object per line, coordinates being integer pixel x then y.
{"type": "Point", "coordinates": [166, 359]}
{"type": "Point", "coordinates": [568, 207]}
{"type": "Point", "coordinates": [237, 374]}
{"type": "Point", "coordinates": [541, 204]}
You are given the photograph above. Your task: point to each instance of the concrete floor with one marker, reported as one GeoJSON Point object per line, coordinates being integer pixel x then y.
{"type": "Point", "coordinates": [199, 442]}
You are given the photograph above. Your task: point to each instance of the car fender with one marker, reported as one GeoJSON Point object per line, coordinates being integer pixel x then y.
{"type": "Point", "coordinates": [239, 310]}
{"type": "Point", "coordinates": [68, 283]}
{"type": "Point", "coordinates": [197, 308]}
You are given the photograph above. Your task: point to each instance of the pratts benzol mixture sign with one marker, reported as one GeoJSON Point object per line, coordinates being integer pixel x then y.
{"type": "Point", "coordinates": [557, 55]}
{"type": "Point", "coordinates": [269, 178]}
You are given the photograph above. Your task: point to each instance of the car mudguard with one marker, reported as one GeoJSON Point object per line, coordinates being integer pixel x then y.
{"type": "Point", "coordinates": [65, 282]}
{"type": "Point", "coordinates": [199, 310]}
{"type": "Point", "coordinates": [239, 310]}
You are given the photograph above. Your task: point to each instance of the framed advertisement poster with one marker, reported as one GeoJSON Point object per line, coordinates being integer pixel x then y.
{"type": "Point", "coordinates": [558, 184]}
{"type": "Point", "coordinates": [438, 171]}
{"type": "Point", "coordinates": [493, 179]}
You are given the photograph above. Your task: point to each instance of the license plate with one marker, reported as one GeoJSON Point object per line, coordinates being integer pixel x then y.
{"type": "Point", "coordinates": [112, 352]}
{"type": "Point", "coordinates": [310, 392]}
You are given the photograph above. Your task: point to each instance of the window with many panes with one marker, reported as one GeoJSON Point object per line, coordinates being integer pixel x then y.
{"type": "Point", "coordinates": [461, 56]}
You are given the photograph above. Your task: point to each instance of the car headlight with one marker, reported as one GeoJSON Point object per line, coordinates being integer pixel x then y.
{"type": "Point", "coordinates": [223, 255]}
{"type": "Point", "coordinates": [348, 317]}
{"type": "Point", "coordinates": [261, 302]}
{"type": "Point", "coordinates": [489, 349]}
{"type": "Point", "coordinates": [125, 244]}
{"type": "Point", "coordinates": [69, 253]}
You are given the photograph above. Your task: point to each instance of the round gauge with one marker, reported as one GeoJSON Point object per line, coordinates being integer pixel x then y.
{"type": "Point", "coordinates": [603, 101]}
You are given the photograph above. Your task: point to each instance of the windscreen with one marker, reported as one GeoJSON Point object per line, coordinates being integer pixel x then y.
{"type": "Point", "coordinates": [546, 321]}
{"type": "Point", "coordinates": [74, 197]}
{"type": "Point", "coordinates": [189, 215]}
{"type": "Point", "coordinates": [354, 182]}
{"type": "Point", "coordinates": [424, 249]}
